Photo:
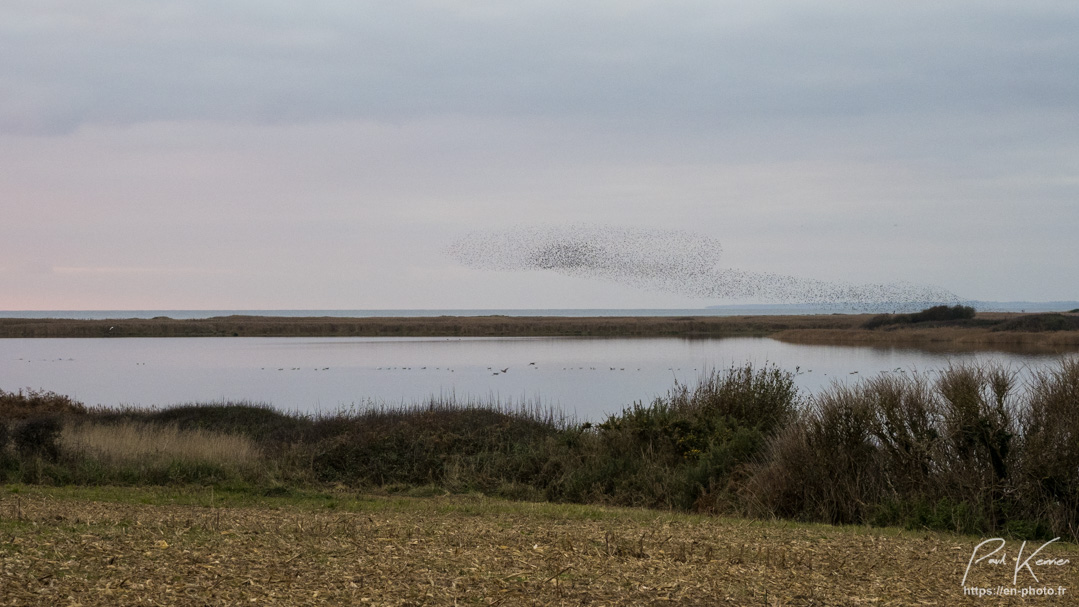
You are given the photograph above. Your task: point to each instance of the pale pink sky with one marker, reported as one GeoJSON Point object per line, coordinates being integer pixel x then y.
{"type": "Point", "coordinates": [271, 155]}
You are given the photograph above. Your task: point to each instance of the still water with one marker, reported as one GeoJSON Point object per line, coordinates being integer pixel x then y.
{"type": "Point", "coordinates": [584, 377]}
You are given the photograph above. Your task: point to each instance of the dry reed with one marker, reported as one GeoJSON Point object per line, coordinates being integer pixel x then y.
{"type": "Point", "coordinates": [145, 444]}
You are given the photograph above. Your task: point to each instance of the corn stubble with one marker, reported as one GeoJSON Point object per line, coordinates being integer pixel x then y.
{"type": "Point", "coordinates": [462, 550]}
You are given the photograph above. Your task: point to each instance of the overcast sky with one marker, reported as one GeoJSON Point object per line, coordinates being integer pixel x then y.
{"type": "Point", "coordinates": [264, 154]}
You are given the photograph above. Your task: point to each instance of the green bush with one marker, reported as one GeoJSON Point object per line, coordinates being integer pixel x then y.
{"type": "Point", "coordinates": [36, 403]}
{"type": "Point", "coordinates": [258, 421]}
{"type": "Point", "coordinates": [942, 313]}
{"type": "Point", "coordinates": [1040, 322]}
{"type": "Point", "coordinates": [38, 437]}
{"type": "Point", "coordinates": [470, 447]}
{"type": "Point", "coordinates": [932, 314]}
{"type": "Point", "coordinates": [684, 450]}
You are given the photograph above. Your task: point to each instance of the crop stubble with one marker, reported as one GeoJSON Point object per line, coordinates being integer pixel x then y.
{"type": "Point", "coordinates": [464, 550]}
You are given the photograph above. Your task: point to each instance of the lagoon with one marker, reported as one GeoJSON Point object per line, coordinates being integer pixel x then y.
{"type": "Point", "coordinates": [586, 378]}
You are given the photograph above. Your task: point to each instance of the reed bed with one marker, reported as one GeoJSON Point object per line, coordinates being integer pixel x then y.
{"type": "Point", "coordinates": [144, 444]}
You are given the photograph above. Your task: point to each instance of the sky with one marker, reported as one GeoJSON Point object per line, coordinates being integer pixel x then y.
{"type": "Point", "coordinates": [261, 154]}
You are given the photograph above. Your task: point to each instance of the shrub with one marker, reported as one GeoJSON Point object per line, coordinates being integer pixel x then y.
{"type": "Point", "coordinates": [1049, 446]}
{"type": "Point", "coordinates": [1040, 322]}
{"type": "Point", "coordinates": [257, 421]}
{"type": "Point", "coordinates": [686, 449]}
{"type": "Point", "coordinates": [941, 313]}
{"type": "Point", "coordinates": [33, 403]}
{"type": "Point", "coordinates": [39, 436]}
{"type": "Point", "coordinates": [899, 449]}
{"type": "Point", "coordinates": [7, 461]}
{"type": "Point", "coordinates": [932, 314]}
{"type": "Point", "coordinates": [904, 420]}
{"type": "Point", "coordinates": [471, 446]}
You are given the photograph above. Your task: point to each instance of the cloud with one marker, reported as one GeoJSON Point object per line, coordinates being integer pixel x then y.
{"type": "Point", "coordinates": [678, 63]}
{"type": "Point", "coordinates": [838, 140]}
{"type": "Point", "coordinates": [135, 270]}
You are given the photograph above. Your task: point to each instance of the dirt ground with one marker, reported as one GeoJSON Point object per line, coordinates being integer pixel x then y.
{"type": "Point", "coordinates": [60, 547]}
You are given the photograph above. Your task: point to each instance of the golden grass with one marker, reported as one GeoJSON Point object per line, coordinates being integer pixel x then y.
{"type": "Point", "coordinates": [59, 548]}
{"type": "Point", "coordinates": [130, 443]}
{"type": "Point", "coordinates": [940, 338]}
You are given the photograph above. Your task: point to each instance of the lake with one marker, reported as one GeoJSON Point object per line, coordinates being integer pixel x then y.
{"type": "Point", "coordinates": [584, 377]}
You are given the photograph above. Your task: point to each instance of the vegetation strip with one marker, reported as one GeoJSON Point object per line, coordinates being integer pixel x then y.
{"type": "Point", "coordinates": [441, 326]}
{"type": "Point", "coordinates": [111, 546]}
{"type": "Point", "coordinates": [966, 449]}
{"type": "Point", "coordinates": [1049, 332]}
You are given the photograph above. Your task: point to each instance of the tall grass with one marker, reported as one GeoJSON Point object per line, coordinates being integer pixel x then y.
{"type": "Point", "coordinates": [148, 447]}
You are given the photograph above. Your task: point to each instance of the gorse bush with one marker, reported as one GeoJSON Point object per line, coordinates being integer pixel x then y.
{"type": "Point", "coordinates": [933, 314]}
{"type": "Point", "coordinates": [683, 450]}
{"type": "Point", "coordinates": [941, 313]}
{"type": "Point", "coordinates": [1040, 322]}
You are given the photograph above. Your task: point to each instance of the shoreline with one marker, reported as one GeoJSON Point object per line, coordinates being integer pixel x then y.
{"type": "Point", "coordinates": [987, 331]}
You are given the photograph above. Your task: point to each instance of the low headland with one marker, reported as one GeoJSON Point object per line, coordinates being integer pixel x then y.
{"type": "Point", "coordinates": [1052, 331]}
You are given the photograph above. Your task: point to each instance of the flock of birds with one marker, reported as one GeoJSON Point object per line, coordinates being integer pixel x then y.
{"type": "Point", "coordinates": [672, 261]}
{"type": "Point", "coordinates": [497, 371]}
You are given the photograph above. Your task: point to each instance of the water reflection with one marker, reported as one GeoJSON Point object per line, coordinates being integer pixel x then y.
{"type": "Point", "coordinates": [584, 377]}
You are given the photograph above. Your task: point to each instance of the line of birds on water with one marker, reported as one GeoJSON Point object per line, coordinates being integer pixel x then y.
{"type": "Point", "coordinates": [494, 371]}
{"type": "Point", "coordinates": [797, 370]}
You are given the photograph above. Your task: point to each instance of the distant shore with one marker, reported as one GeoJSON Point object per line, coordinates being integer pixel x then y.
{"type": "Point", "coordinates": [988, 331]}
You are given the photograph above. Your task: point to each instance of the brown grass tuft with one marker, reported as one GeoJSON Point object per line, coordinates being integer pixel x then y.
{"type": "Point", "coordinates": [134, 443]}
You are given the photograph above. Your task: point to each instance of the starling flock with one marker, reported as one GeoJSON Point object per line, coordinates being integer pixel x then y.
{"type": "Point", "coordinates": [672, 261]}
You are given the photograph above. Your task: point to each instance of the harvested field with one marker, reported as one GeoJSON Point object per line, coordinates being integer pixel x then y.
{"type": "Point", "coordinates": [165, 546]}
